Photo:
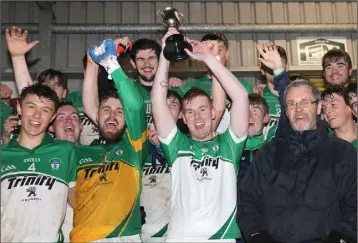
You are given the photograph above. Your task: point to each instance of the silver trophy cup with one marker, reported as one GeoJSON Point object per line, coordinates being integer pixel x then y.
{"type": "Point", "coordinates": [174, 44]}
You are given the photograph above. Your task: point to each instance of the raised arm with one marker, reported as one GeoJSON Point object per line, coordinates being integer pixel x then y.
{"type": "Point", "coordinates": [90, 99]}
{"type": "Point", "coordinates": [239, 114]}
{"type": "Point", "coordinates": [164, 122]}
{"type": "Point", "coordinates": [131, 100]}
{"type": "Point", "coordinates": [18, 47]}
{"type": "Point", "coordinates": [219, 101]}
{"type": "Point", "coordinates": [271, 58]}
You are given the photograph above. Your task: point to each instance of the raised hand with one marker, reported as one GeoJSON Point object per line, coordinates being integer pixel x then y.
{"type": "Point", "coordinates": [201, 50]}
{"type": "Point", "coordinates": [270, 57]}
{"type": "Point", "coordinates": [16, 42]}
{"type": "Point", "coordinates": [171, 31]}
{"type": "Point", "coordinates": [5, 91]}
{"type": "Point", "coordinates": [123, 44]}
{"type": "Point", "coordinates": [175, 82]}
{"type": "Point", "coordinates": [104, 50]}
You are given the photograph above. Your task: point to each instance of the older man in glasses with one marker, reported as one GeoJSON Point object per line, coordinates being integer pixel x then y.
{"type": "Point", "coordinates": [302, 186]}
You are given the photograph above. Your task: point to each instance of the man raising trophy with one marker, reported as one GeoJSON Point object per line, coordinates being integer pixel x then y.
{"type": "Point", "coordinates": [175, 44]}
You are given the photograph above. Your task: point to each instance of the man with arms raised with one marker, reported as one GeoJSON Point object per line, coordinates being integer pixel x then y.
{"type": "Point", "coordinates": [204, 165]}
{"type": "Point", "coordinates": [55, 79]}
{"type": "Point", "coordinates": [109, 177]}
{"type": "Point", "coordinates": [38, 173]}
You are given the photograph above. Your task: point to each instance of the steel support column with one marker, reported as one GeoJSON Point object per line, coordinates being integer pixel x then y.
{"type": "Point", "coordinates": [45, 37]}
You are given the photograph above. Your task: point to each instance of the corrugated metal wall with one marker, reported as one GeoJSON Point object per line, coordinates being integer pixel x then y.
{"type": "Point", "coordinates": [69, 49]}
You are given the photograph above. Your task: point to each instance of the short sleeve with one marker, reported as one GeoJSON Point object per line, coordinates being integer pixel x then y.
{"type": "Point", "coordinates": [171, 145]}
{"type": "Point", "coordinates": [73, 162]}
{"type": "Point", "coordinates": [231, 146]}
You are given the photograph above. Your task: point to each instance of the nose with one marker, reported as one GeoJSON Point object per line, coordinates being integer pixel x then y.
{"type": "Point", "coordinates": [334, 70]}
{"type": "Point", "coordinates": [37, 113]}
{"type": "Point", "coordinates": [298, 107]}
{"type": "Point", "coordinates": [68, 120]}
{"type": "Point", "coordinates": [146, 62]}
{"type": "Point", "coordinates": [197, 115]}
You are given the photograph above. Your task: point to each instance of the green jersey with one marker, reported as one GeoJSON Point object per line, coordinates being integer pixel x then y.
{"type": "Point", "coordinates": [274, 105]}
{"type": "Point", "coordinates": [156, 183]}
{"type": "Point", "coordinates": [204, 83]}
{"type": "Point", "coordinates": [90, 130]}
{"type": "Point", "coordinates": [6, 111]}
{"type": "Point", "coordinates": [204, 175]}
{"type": "Point", "coordinates": [144, 92]}
{"type": "Point", "coordinates": [109, 177]}
{"type": "Point", "coordinates": [34, 188]}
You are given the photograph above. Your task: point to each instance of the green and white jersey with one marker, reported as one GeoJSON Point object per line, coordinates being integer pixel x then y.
{"type": "Point", "coordinates": [34, 189]}
{"type": "Point", "coordinates": [274, 105]}
{"type": "Point", "coordinates": [204, 174]}
{"type": "Point", "coordinates": [204, 83]}
{"type": "Point", "coordinates": [90, 131]}
{"type": "Point", "coordinates": [144, 92]}
{"type": "Point", "coordinates": [155, 199]}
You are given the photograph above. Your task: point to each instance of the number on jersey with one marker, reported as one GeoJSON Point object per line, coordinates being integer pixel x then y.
{"type": "Point", "coordinates": [32, 167]}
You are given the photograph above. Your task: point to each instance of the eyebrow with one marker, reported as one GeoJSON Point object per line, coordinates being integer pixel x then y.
{"type": "Point", "coordinates": [61, 113]}
{"type": "Point", "coordinates": [32, 103]}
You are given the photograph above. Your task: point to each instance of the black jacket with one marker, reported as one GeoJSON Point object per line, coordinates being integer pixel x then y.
{"type": "Point", "coordinates": [300, 187]}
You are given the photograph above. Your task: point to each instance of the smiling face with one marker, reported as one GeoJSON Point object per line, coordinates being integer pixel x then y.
{"type": "Point", "coordinates": [335, 110]}
{"type": "Point", "coordinates": [146, 64]}
{"type": "Point", "coordinates": [67, 125]}
{"type": "Point", "coordinates": [300, 108]}
{"type": "Point", "coordinates": [198, 115]}
{"type": "Point", "coordinates": [337, 72]}
{"type": "Point", "coordinates": [257, 119]}
{"type": "Point", "coordinates": [36, 114]}
{"type": "Point", "coordinates": [110, 119]}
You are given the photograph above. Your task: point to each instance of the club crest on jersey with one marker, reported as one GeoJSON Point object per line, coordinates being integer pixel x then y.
{"type": "Point", "coordinates": [119, 151]}
{"type": "Point", "coordinates": [215, 147]}
{"type": "Point", "coordinates": [55, 163]}
{"type": "Point", "coordinates": [153, 179]}
{"type": "Point", "coordinates": [204, 149]}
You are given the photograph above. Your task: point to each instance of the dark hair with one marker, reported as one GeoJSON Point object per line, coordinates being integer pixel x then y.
{"type": "Point", "coordinates": [110, 93]}
{"type": "Point", "coordinates": [351, 90]}
{"type": "Point", "coordinates": [50, 74]}
{"type": "Point", "coordinates": [334, 55]}
{"type": "Point", "coordinates": [297, 76]}
{"type": "Point", "coordinates": [65, 103]}
{"type": "Point", "coordinates": [335, 89]}
{"type": "Point", "coordinates": [192, 94]}
{"type": "Point", "coordinates": [42, 91]}
{"type": "Point", "coordinates": [282, 53]}
{"type": "Point", "coordinates": [256, 99]}
{"type": "Point", "coordinates": [175, 95]}
{"type": "Point", "coordinates": [144, 44]}
{"type": "Point", "coordinates": [216, 37]}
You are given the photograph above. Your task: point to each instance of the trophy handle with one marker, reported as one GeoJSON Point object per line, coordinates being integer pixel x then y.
{"type": "Point", "coordinates": [160, 16]}
{"type": "Point", "coordinates": [180, 16]}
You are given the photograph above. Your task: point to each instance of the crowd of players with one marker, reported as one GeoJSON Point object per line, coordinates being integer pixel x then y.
{"type": "Point", "coordinates": [163, 159]}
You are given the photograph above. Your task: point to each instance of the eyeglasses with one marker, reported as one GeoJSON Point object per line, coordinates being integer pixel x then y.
{"type": "Point", "coordinates": [303, 104]}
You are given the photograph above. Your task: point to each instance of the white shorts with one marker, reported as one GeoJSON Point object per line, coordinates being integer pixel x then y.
{"type": "Point", "coordinates": [131, 238]}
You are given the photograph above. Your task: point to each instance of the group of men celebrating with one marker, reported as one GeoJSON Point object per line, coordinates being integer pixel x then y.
{"type": "Point", "coordinates": [249, 167]}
